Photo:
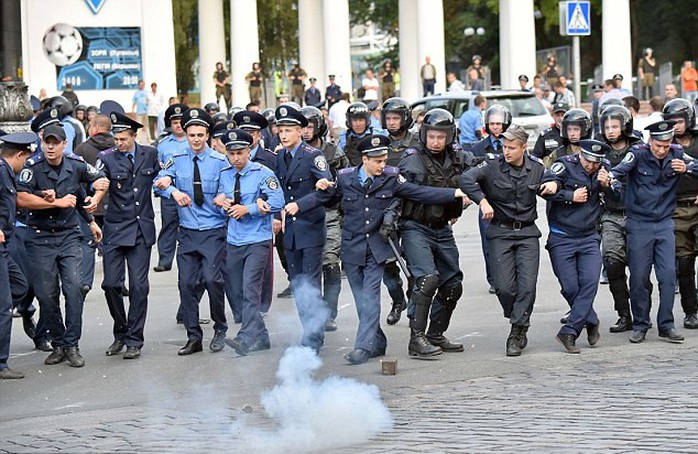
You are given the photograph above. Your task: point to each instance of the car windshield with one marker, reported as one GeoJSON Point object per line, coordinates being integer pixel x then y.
{"type": "Point", "coordinates": [520, 106]}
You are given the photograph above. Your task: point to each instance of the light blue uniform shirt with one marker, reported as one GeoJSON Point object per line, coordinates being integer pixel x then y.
{"type": "Point", "coordinates": [470, 122]}
{"type": "Point", "coordinates": [194, 217]}
{"type": "Point", "coordinates": [255, 180]}
{"type": "Point", "coordinates": [141, 101]}
{"type": "Point", "coordinates": [169, 146]}
{"type": "Point", "coordinates": [342, 144]}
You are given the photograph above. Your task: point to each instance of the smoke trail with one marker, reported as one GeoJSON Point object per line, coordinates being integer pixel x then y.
{"type": "Point", "coordinates": [316, 415]}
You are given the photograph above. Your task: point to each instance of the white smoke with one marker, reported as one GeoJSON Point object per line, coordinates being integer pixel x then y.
{"type": "Point", "coordinates": [316, 415]}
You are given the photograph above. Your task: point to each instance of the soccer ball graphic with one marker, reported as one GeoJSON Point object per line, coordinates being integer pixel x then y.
{"type": "Point", "coordinates": [62, 44]}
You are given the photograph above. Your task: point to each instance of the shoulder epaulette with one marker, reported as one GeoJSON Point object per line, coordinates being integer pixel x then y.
{"type": "Point", "coordinates": [227, 168]}
{"type": "Point", "coordinates": [74, 157]}
{"type": "Point", "coordinates": [391, 170]}
{"type": "Point", "coordinates": [180, 153]}
{"type": "Point", "coordinates": [410, 151]}
{"type": "Point", "coordinates": [35, 159]}
{"type": "Point", "coordinates": [536, 159]}
{"type": "Point", "coordinates": [348, 170]}
{"type": "Point", "coordinates": [218, 156]}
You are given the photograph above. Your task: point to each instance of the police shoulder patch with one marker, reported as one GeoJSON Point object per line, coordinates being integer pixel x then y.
{"type": "Point", "coordinates": [168, 164]}
{"type": "Point", "coordinates": [409, 152]}
{"type": "Point", "coordinates": [99, 164]}
{"type": "Point", "coordinates": [536, 159]}
{"type": "Point", "coordinates": [25, 176]}
{"type": "Point", "coordinates": [272, 183]}
{"type": "Point", "coordinates": [629, 157]}
{"type": "Point", "coordinates": [557, 168]}
{"type": "Point", "coordinates": [320, 162]}
{"type": "Point", "coordinates": [92, 170]}
{"type": "Point", "coordinates": [401, 179]}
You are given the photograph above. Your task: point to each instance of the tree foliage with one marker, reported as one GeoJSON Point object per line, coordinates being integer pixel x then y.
{"type": "Point", "coordinates": [186, 31]}
{"type": "Point", "coordinates": [278, 33]}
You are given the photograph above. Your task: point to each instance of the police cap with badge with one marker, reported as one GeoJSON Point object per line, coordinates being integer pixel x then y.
{"type": "Point", "coordinates": [174, 112]}
{"type": "Point", "coordinates": [662, 130]}
{"type": "Point", "coordinates": [374, 146]}
{"type": "Point", "coordinates": [222, 128]}
{"type": "Point", "coordinates": [597, 87]}
{"type": "Point", "coordinates": [196, 117]}
{"type": "Point", "coordinates": [250, 121]}
{"type": "Point", "coordinates": [593, 150]}
{"type": "Point", "coordinates": [289, 116]}
{"type": "Point", "coordinates": [23, 141]}
{"type": "Point", "coordinates": [237, 139]}
{"type": "Point", "coordinates": [46, 118]}
{"type": "Point", "coordinates": [121, 122]}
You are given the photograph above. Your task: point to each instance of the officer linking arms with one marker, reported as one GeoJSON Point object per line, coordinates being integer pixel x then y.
{"type": "Point", "coordinates": [574, 241]}
{"type": "Point", "coordinates": [249, 234]}
{"type": "Point", "coordinates": [368, 194]}
{"type": "Point", "coordinates": [129, 232]}
{"type": "Point", "coordinates": [651, 174]}
{"type": "Point", "coordinates": [14, 151]}
{"type": "Point", "coordinates": [505, 187]}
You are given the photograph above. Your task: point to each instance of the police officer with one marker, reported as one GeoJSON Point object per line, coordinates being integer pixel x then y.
{"type": "Point", "coordinates": [497, 121]}
{"type": "Point", "coordinates": [367, 193]}
{"type": "Point", "coordinates": [550, 139]}
{"type": "Point", "coordinates": [299, 167]}
{"type": "Point", "coordinates": [359, 126]}
{"type": "Point", "coordinates": [74, 130]}
{"type": "Point", "coordinates": [651, 175]}
{"type": "Point", "coordinates": [686, 213]}
{"type": "Point", "coordinates": [505, 187]}
{"type": "Point", "coordinates": [269, 138]}
{"type": "Point", "coordinates": [254, 123]}
{"type": "Point", "coordinates": [396, 118]}
{"type": "Point", "coordinates": [333, 92]}
{"type": "Point", "coordinates": [616, 125]}
{"type": "Point", "coordinates": [601, 106]}
{"type": "Point", "coordinates": [129, 232]}
{"type": "Point", "coordinates": [47, 188]}
{"type": "Point", "coordinates": [212, 108]}
{"type": "Point", "coordinates": [192, 181]}
{"type": "Point", "coordinates": [169, 218]}
{"type": "Point", "coordinates": [249, 234]}
{"type": "Point", "coordinates": [574, 241]}
{"type": "Point", "coordinates": [218, 131]}
{"type": "Point", "coordinates": [314, 135]}
{"type": "Point", "coordinates": [576, 126]}
{"type": "Point", "coordinates": [427, 236]}
{"type": "Point", "coordinates": [14, 151]}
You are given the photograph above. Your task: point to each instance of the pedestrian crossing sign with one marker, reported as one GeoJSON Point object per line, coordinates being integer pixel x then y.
{"type": "Point", "coordinates": [575, 18]}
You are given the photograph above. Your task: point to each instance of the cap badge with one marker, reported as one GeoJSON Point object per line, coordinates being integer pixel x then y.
{"type": "Point", "coordinates": [233, 136]}
{"type": "Point", "coordinates": [113, 117]}
{"type": "Point", "coordinates": [246, 119]}
{"type": "Point", "coordinates": [596, 148]}
{"type": "Point", "coordinates": [53, 113]}
{"type": "Point", "coordinates": [230, 126]}
{"type": "Point", "coordinates": [195, 114]}
{"type": "Point", "coordinates": [375, 141]}
{"type": "Point", "coordinates": [283, 111]}
{"type": "Point", "coordinates": [663, 126]}
{"type": "Point", "coordinates": [177, 110]}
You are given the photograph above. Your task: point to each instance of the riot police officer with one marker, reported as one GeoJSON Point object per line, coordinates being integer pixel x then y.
{"type": "Point", "coordinates": [686, 213]}
{"type": "Point", "coordinates": [14, 151]}
{"type": "Point", "coordinates": [427, 236]}
{"type": "Point", "coordinates": [314, 135]}
{"type": "Point", "coordinates": [167, 147]}
{"type": "Point", "coordinates": [505, 187]}
{"type": "Point", "coordinates": [574, 240]}
{"type": "Point", "coordinates": [359, 126]}
{"type": "Point", "coordinates": [550, 139]}
{"type": "Point", "coordinates": [576, 126]}
{"type": "Point", "coordinates": [299, 167]}
{"type": "Point", "coordinates": [616, 125]}
{"type": "Point", "coordinates": [74, 130]}
{"type": "Point", "coordinates": [47, 188]}
{"type": "Point", "coordinates": [601, 106]}
{"type": "Point", "coordinates": [651, 173]}
{"type": "Point", "coordinates": [192, 181]}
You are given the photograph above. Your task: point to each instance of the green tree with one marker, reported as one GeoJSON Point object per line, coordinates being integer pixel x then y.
{"type": "Point", "coordinates": [186, 34]}
{"type": "Point", "coordinates": [278, 33]}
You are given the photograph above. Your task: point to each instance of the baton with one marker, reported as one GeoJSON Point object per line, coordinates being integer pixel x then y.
{"type": "Point", "coordinates": [400, 260]}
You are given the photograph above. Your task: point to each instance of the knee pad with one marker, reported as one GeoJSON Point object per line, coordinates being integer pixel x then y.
{"type": "Point", "coordinates": [427, 284]}
{"type": "Point", "coordinates": [449, 296]}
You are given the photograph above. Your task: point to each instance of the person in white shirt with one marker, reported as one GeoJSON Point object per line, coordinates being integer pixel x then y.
{"type": "Point", "coordinates": [155, 102]}
{"type": "Point", "coordinates": [640, 123]}
{"type": "Point", "coordinates": [370, 85]}
{"type": "Point", "coordinates": [337, 116]}
{"type": "Point", "coordinates": [454, 85]}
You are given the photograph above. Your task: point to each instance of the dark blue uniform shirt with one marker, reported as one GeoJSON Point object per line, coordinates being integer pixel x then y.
{"type": "Point", "coordinates": [8, 199]}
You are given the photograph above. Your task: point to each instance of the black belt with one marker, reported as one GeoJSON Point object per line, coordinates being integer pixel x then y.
{"type": "Point", "coordinates": [516, 225]}
{"type": "Point", "coordinates": [431, 225]}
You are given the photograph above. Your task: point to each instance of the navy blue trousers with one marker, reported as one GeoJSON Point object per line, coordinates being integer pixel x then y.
{"type": "Point", "coordinates": [365, 283]}
{"type": "Point", "coordinates": [305, 271]}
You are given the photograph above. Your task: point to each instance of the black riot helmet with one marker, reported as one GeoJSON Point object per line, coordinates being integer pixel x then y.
{"type": "Point", "coordinates": [64, 106]}
{"type": "Point", "coordinates": [609, 102]}
{"type": "Point", "coordinates": [358, 110]}
{"type": "Point", "coordinates": [438, 120]}
{"type": "Point", "coordinates": [401, 107]}
{"type": "Point", "coordinates": [212, 108]}
{"type": "Point", "coordinates": [269, 115]}
{"type": "Point", "coordinates": [620, 113]}
{"type": "Point", "coordinates": [315, 116]}
{"type": "Point", "coordinates": [680, 108]}
{"type": "Point", "coordinates": [497, 113]}
{"type": "Point", "coordinates": [233, 110]}
{"type": "Point", "coordinates": [576, 117]}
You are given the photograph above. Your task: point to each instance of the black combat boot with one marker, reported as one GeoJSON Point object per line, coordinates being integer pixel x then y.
{"type": "Point", "coordinates": [419, 346]}
{"type": "Point", "coordinates": [513, 341]}
{"type": "Point", "coordinates": [624, 323]}
{"type": "Point", "coordinates": [447, 299]}
{"type": "Point", "coordinates": [396, 312]}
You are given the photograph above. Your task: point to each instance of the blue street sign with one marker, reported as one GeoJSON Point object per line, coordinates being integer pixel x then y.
{"type": "Point", "coordinates": [578, 18]}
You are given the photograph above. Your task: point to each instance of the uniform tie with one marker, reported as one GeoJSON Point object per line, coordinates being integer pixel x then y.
{"type": "Point", "coordinates": [497, 145]}
{"type": "Point", "coordinates": [130, 159]}
{"type": "Point", "coordinates": [198, 189]}
{"type": "Point", "coordinates": [236, 194]}
{"type": "Point", "coordinates": [368, 183]}
{"type": "Point", "coordinates": [287, 158]}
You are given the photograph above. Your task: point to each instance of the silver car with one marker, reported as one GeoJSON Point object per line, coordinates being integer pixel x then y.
{"type": "Point", "coordinates": [526, 109]}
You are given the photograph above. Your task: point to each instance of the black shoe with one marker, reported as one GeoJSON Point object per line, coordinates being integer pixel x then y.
{"type": "Point", "coordinates": [286, 293]}
{"type": "Point", "coordinates": [492, 290]}
{"type": "Point", "coordinates": [84, 290]}
{"type": "Point", "coordinates": [624, 323]}
{"type": "Point", "coordinates": [358, 356]}
{"type": "Point", "coordinates": [238, 345]}
{"type": "Point", "coordinates": [132, 353]}
{"type": "Point", "coordinates": [190, 347]}
{"type": "Point", "coordinates": [161, 268]}
{"type": "Point", "coordinates": [568, 341]}
{"type": "Point", "coordinates": [29, 326]}
{"type": "Point", "coordinates": [260, 344]}
{"type": "Point", "coordinates": [56, 357]}
{"type": "Point", "coordinates": [513, 346]}
{"type": "Point", "coordinates": [672, 336]}
{"type": "Point", "coordinates": [396, 313]}
{"type": "Point", "coordinates": [420, 347]}
{"type": "Point", "coordinates": [9, 374]}
{"type": "Point", "coordinates": [115, 348]}
{"type": "Point", "coordinates": [73, 356]}
{"type": "Point", "coordinates": [330, 325]}
{"type": "Point", "coordinates": [691, 321]}
{"type": "Point", "coordinates": [445, 344]}
{"type": "Point", "coordinates": [43, 345]}
{"type": "Point", "coordinates": [378, 352]}
{"type": "Point", "coordinates": [218, 341]}
{"type": "Point", "coordinates": [564, 318]}
{"type": "Point", "coordinates": [523, 339]}
{"type": "Point", "coordinates": [637, 336]}
{"type": "Point", "coordinates": [593, 334]}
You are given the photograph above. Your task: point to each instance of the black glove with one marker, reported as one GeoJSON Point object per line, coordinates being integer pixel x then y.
{"type": "Point", "coordinates": [387, 231]}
